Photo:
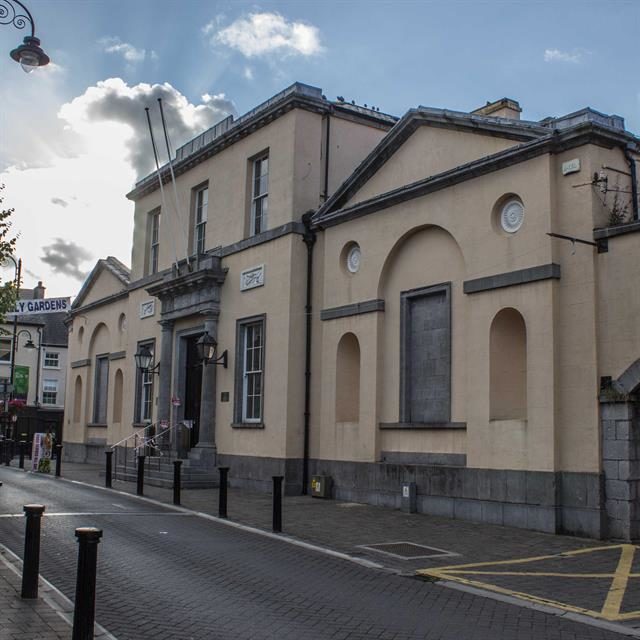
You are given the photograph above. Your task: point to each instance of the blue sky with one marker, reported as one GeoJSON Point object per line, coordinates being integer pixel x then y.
{"type": "Point", "coordinates": [71, 143]}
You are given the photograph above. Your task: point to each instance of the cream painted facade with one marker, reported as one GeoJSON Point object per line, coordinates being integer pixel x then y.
{"type": "Point", "coordinates": [405, 332]}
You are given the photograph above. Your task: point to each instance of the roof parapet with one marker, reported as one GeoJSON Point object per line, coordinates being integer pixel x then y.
{"type": "Point", "coordinates": [223, 126]}
{"type": "Point", "coordinates": [584, 115]}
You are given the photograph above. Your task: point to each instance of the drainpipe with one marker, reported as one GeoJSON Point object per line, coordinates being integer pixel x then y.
{"type": "Point", "coordinates": [309, 239]}
{"type": "Point", "coordinates": [325, 194]}
{"type": "Point", "coordinates": [634, 180]}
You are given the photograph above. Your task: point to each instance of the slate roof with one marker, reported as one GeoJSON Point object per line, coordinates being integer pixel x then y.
{"type": "Point", "coordinates": [54, 331]}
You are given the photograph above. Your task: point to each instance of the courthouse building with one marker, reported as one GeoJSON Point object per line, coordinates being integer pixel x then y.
{"type": "Point", "coordinates": [449, 299]}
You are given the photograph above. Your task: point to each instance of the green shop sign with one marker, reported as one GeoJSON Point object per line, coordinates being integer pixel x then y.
{"type": "Point", "coordinates": [21, 382]}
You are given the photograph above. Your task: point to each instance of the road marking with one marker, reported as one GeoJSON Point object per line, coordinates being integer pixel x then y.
{"type": "Point", "coordinates": [611, 607]}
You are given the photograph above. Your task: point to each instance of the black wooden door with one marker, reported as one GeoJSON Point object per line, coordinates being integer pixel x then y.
{"type": "Point", "coordinates": [193, 388]}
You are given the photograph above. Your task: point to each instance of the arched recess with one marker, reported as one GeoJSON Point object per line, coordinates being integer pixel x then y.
{"type": "Point", "coordinates": [348, 379]}
{"type": "Point", "coordinates": [508, 366]}
{"type": "Point", "coordinates": [424, 244]}
{"type": "Point", "coordinates": [77, 400]}
{"type": "Point", "coordinates": [423, 329]}
{"type": "Point", "coordinates": [97, 384]}
{"type": "Point", "coordinates": [117, 396]}
{"type": "Point", "coordinates": [100, 340]}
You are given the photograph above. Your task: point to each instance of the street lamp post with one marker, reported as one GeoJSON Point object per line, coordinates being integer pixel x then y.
{"type": "Point", "coordinates": [14, 341]}
{"type": "Point", "coordinates": [30, 345]}
{"type": "Point", "coordinates": [29, 54]}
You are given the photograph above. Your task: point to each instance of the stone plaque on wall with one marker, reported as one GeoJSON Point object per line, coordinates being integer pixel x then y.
{"type": "Point", "coordinates": [147, 308]}
{"type": "Point", "coordinates": [252, 278]}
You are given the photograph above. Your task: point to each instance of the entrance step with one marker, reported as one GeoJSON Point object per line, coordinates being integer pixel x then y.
{"type": "Point", "coordinates": [162, 476]}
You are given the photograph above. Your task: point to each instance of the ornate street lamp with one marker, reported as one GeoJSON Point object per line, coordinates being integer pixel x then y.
{"type": "Point", "coordinates": [144, 361]}
{"type": "Point", "coordinates": [29, 54]}
{"type": "Point", "coordinates": [207, 350]}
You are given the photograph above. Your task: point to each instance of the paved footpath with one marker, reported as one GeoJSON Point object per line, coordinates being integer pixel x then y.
{"type": "Point", "coordinates": [26, 619]}
{"type": "Point", "coordinates": [581, 579]}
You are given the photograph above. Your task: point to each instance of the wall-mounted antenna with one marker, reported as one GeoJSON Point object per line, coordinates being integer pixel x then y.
{"type": "Point", "coordinates": [155, 155]}
{"type": "Point", "coordinates": [175, 190]}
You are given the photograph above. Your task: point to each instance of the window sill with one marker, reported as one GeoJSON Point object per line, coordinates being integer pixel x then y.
{"type": "Point", "coordinates": [415, 426]}
{"type": "Point", "coordinates": [99, 425]}
{"type": "Point", "coordinates": [247, 425]}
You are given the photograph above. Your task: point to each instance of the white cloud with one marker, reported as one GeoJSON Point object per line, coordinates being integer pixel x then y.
{"type": "Point", "coordinates": [556, 55]}
{"type": "Point", "coordinates": [263, 34]}
{"type": "Point", "coordinates": [113, 102]}
{"type": "Point", "coordinates": [248, 73]}
{"type": "Point", "coordinates": [130, 53]}
{"type": "Point", "coordinates": [110, 148]}
{"type": "Point", "coordinates": [52, 67]}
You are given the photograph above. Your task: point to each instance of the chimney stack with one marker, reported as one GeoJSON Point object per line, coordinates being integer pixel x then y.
{"type": "Point", "coordinates": [503, 108]}
{"type": "Point", "coordinates": [38, 292]}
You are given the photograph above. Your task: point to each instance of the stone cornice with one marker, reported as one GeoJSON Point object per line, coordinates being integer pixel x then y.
{"type": "Point", "coordinates": [264, 117]}
{"type": "Point", "coordinates": [549, 271]}
{"type": "Point", "coordinates": [98, 303]}
{"type": "Point", "coordinates": [194, 292]}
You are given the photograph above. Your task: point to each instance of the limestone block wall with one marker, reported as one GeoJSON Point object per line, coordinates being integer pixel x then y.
{"type": "Point", "coordinates": [621, 466]}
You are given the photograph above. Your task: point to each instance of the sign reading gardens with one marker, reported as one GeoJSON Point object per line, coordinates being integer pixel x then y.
{"type": "Point", "coordinates": [43, 305]}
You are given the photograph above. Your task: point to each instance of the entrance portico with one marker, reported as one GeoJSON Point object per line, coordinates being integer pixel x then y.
{"type": "Point", "coordinates": [191, 293]}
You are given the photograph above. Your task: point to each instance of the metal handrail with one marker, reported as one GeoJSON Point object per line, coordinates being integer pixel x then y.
{"type": "Point", "coordinates": [139, 441]}
{"type": "Point", "coordinates": [152, 441]}
{"type": "Point", "coordinates": [133, 435]}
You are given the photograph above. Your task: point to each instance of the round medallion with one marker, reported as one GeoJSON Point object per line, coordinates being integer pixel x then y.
{"type": "Point", "coordinates": [353, 259]}
{"type": "Point", "coordinates": [512, 216]}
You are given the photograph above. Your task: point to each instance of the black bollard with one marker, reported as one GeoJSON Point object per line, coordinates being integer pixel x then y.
{"type": "Point", "coordinates": [140, 485]}
{"type": "Point", "coordinates": [176, 481]}
{"type": "Point", "coordinates": [222, 492]}
{"type": "Point", "coordinates": [85, 608]}
{"type": "Point", "coordinates": [31, 560]}
{"type": "Point", "coordinates": [109, 469]}
{"type": "Point", "coordinates": [277, 503]}
{"type": "Point", "coordinates": [8, 452]}
{"type": "Point", "coordinates": [58, 460]}
{"type": "Point", "coordinates": [23, 444]}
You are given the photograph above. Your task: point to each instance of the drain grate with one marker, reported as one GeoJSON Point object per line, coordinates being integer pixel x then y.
{"type": "Point", "coordinates": [408, 550]}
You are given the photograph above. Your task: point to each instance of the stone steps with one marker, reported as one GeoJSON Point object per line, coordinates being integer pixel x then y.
{"type": "Point", "coordinates": [162, 475]}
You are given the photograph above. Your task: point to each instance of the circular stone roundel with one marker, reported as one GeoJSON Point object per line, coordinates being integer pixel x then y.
{"type": "Point", "coordinates": [353, 259]}
{"type": "Point", "coordinates": [512, 216]}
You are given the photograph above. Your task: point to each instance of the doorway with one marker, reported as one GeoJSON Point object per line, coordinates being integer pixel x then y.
{"type": "Point", "coordinates": [193, 387]}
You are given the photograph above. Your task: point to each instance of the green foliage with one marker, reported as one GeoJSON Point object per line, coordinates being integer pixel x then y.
{"type": "Point", "coordinates": [9, 289]}
{"type": "Point", "coordinates": [619, 210]}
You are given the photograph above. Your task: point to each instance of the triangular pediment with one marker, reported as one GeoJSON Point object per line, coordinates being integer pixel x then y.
{"type": "Point", "coordinates": [109, 277]}
{"type": "Point", "coordinates": [426, 143]}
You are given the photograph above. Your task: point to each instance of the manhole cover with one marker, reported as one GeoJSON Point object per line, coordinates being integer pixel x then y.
{"type": "Point", "coordinates": [407, 550]}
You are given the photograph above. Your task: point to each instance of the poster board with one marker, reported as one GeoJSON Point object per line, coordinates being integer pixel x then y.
{"type": "Point", "coordinates": [21, 382]}
{"type": "Point", "coordinates": [41, 452]}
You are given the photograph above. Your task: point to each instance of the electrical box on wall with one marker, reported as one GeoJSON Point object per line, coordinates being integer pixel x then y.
{"type": "Point", "coordinates": [321, 486]}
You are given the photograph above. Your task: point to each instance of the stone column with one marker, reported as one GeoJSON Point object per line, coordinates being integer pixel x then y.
{"type": "Point", "coordinates": [621, 465]}
{"type": "Point", "coordinates": [205, 451]}
{"type": "Point", "coordinates": [164, 382]}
